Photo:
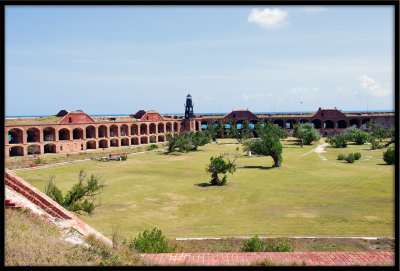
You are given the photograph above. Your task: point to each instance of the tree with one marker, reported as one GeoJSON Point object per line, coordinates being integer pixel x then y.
{"type": "Point", "coordinates": [306, 133]}
{"type": "Point", "coordinates": [80, 198]}
{"type": "Point", "coordinates": [187, 141]}
{"type": "Point", "coordinates": [211, 131]}
{"type": "Point", "coordinates": [219, 166]}
{"type": "Point", "coordinates": [199, 139]}
{"type": "Point", "coordinates": [237, 134]}
{"type": "Point", "coordinates": [268, 143]}
{"type": "Point", "coordinates": [339, 141]}
{"type": "Point", "coordinates": [172, 141]}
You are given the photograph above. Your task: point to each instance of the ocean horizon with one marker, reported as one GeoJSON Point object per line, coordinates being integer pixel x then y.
{"type": "Point", "coordinates": [223, 113]}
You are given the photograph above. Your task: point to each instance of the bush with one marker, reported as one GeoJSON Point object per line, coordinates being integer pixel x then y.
{"type": "Point", "coordinates": [357, 156]}
{"type": "Point", "coordinates": [350, 158]}
{"type": "Point", "coordinates": [253, 245]}
{"type": "Point", "coordinates": [152, 242]}
{"type": "Point", "coordinates": [283, 246]}
{"type": "Point", "coordinates": [152, 147]}
{"type": "Point", "coordinates": [152, 139]}
{"type": "Point", "coordinates": [124, 157]}
{"type": "Point", "coordinates": [338, 141]}
{"type": "Point", "coordinates": [341, 157]}
{"type": "Point", "coordinates": [375, 144]}
{"type": "Point", "coordinates": [39, 161]}
{"type": "Point", "coordinates": [389, 156]}
{"type": "Point", "coordinates": [361, 137]}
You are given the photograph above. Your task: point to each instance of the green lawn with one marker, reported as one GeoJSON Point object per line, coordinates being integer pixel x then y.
{"type": "Point", "coordinates": [307, 196]}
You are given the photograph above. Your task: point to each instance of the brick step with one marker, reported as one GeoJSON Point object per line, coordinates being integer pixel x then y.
{"type": "Point", "coordinates": [34, 198]}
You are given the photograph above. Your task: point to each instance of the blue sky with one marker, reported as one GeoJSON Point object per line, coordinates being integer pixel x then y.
{"type": "Point", "coordinates": [120, 59]}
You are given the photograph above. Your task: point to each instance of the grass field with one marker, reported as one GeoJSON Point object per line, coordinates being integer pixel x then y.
{"type": "Point", "coordinates": [307, 196]}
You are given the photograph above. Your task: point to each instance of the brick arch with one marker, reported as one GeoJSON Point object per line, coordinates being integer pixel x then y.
{"type": "Point", "coordinates": [152, 128]}
{"type": "Point", "coordinates": [125, 141]}
{"type": "Point", "coordinates": [354, 122]}
{"type": "Point", "coordinates": [290, 123]}
{"type": "Point", "coordinates": [114, 130]}
{"type": "Point", "coordinates": [161, 138]}
{"type": "Point", "coordinates": [144, 140]}
{"type": "Point", "coordinates": [114, 142]}
{"type": "Point", "coordinates": [16, 151]}
{"type": "Point", "coordinates": [90, 131]}
{"type": "Point", "coordinates": [103, 143]}
{"type": "Point", "coordinates": [135, 140]}
{"type": "Point", "coordinates": [160, 128]}
{"type": "Point", "coordinates": [316, 123]}
{"type": "Point", "coordinates": [168, 127]}
{"type": "Point", "coordinates": [64, 134]}
{"type": "Point", "coordinates": [280, 123]}
{"type": "Point", "coordinates": [33, 149]}
{"type": "Point", "coordinates": [124, 130]}
{"type": "Point", "coordinates": [91, 144]}
{"type": "Point", "coordinates": [134, 129]}
{"type": "Point", "coordinates": [329, 124]}
{"type": "Point", "coordinates": [365, 121]}
{"type": "Point", "coordinates": [303, 121]}
{"type": "Point", "coordinates": [176, 127]}
{"type": "Point", "coordinates": [77, 133]}
{"type": "Point", "coordinates": [49, 148]}
{"type": "Point", "coordinates": [143, 129]}
{"type": "Point", "coordinates": [15, 136]}
{"type": "Point", "coordinates": [49, 134]}
{"type": "Point", "coordinates": [102, 131]}
{"type": "Point", "coordinates": [33, 135]}
{"type": "Point", "coordinates": [341, 124]}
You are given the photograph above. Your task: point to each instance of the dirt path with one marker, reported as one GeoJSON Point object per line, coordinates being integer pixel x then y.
{"type": "Point", "coordinates": [319, 149]}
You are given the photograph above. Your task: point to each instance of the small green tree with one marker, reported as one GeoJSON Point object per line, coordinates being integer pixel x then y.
{"type": "Point", "coordinates": [350, 158]}
{"type": "Point", "coordinates": [80, 198]}
{"type": "Point", "coordinates": [268, 143]}
{"type": "Point", "coordinates": [361, 137]}
{"type": "Point", "coordinates": [306, 133]}
{"type": "Point", "coordinates": [253, 244]}
{"type": "Point", "coordinates": [152, 242]}
{"type": "Point", "coordinates": [389, 156]}
{"type": "Point", "coordinates": [239, 135]}
{"type": "Point", "coordinates": [172, 141]}
{"type": "Point", "coordinates": [219, 166]}
{"type": "Point", "coordinates": [198, 139]}
{"type": "Point", "coordinates": [338, 141]}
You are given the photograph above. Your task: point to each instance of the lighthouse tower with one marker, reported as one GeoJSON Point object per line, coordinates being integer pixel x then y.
{"type": "Point", "coordinates": [189, 107]}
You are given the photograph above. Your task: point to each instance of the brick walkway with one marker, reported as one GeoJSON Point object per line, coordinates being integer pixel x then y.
{"type": "Point", "coordinates": [275, 258]}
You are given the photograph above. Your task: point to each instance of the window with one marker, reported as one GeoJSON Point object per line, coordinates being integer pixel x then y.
{"type": "Point", "coordinates": [70, 119]}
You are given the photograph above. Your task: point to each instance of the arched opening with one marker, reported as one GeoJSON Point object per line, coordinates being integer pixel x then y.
{"type": "Point", "coordinates": [32, 135]}
{"type": "Point", "coordinates": [102, 131]}
{"type": "Point", "coordinates": [365, 121]}
{"type": "Point", "coordinates": [143, 129]}
{"type": "Point", "coordinates": [328, 124]}
{"type": "Point", "coordinates": [160, 128]}
{"type": "Point", "coordinates": [169, 127]}
{"type": "Point", "coordinates": [175, 127]}
{"type": "Point", "coordinates": [113, 130]}
{"type": "Point", "coordinates": [143, 140]}
{"type": "Point", "coordinates": [125, 142]}
{"type": "Point", "coordinates": [290, 124]}
{"type": "Point", "coordinates": [124, 130]}
{"type": "Point", "coordinates": [161, 138]}
{"type": "Point", "coordinates": [303, 121]}
{"type": "Point", "coordinates": [33, 149]}
{"type": "Point", "coordinates": [134, 129]}
{"type": "Point", "coordinates": [134, 141]}
{"type": "Point", "coordinates": [204, 125]}
{"type": "Point", "coordinates": [114, 143]}
{"type": "Point", "coordinates": [77, 133]}
{"type": "Point", "coordinates": [64, 134]}
{"type": "Point", "coordinates": [90, 132]}
{"type": "Point", "coordinates": [239, 124]}
{"type": "Point", "coordinates": [280, 123]}
{"type": "Point", "coordinates": [16, 151]}
{"type": "Point", "coordinates": [90, 145]}
{"type": "Point", "coordinates": [49, 134]}
{"type": "Point", "coordinates": [153, 139]}
{"type": "Point", "coordinates": [197, 126]}
{"type": "Point", "coordinates": [341, 124]}
{"type": "Point", "coordinates": [316, 123]}
{"type": "Point", "coordinates": [103, 144]}
{"type": "Point", "coordinates": [152, 128]}
{"type": "Point", "coordinates": [354, 122]}
{"type": "Point", "coordinates": [15, 136]}
{"type": "Point", "coordinates": [49, 148]}
{"type": "Point", "coordinates": [253, 124]}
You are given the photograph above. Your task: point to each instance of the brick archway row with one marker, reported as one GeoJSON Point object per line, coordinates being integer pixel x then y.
{"type": "Point", "coordinates": [80, 145]}
{"type": "Point", "coordinates": [49, 133]}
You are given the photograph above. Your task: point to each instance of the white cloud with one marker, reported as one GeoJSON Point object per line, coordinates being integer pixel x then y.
{"type": "Point", "coordinates": [268, 18]}
{"type": "Point", "coordinates": [372, 87]}
{"type": "Point", "coordinates": [313, 9]}
{"type": "Point", "coordinates": [304, 92]}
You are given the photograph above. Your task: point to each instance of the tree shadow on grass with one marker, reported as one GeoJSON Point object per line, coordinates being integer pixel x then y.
{"type": "Point", "coordinates": [170, 153]}
{"type": "Point", "coordinates": [383, 165]}
{"type": "Point", "coordinates": [203, 184]}
{"type": "Point", "coordinates": [259, 167]}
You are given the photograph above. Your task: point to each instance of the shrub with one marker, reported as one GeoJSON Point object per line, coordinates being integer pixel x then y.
{"type": "Point", "coordinates": [360, 137]}
{"type": "Point", "coordinates": [389, 156]}
{"type": "Point", "coordinates": [253, 245]}
{"type": "Point", "coordinates": [152, 139]}
{"type": "Point", "coordinates": [338, 141]}
{"type": "Point", "coordinates": [152, 147]}
{"type": "Point", "coordinates": [357, 156]}
{"type": "Point", "coordinates": [341, 157]}
{"type": "Point", "coordinates": [219, 166]}
{"type": "Point", "coordinates": [350, 158]}
{"type": "Point", "coordinates": [39, 161]}
{"type": "Point", "coordinates": [283, 246]}
{"type": "Point", "coordinates": [375, 144]}
{"type": "Point", "coordinates": [152, 242]}
{"type": "Point", "coordinates": [124, 157]}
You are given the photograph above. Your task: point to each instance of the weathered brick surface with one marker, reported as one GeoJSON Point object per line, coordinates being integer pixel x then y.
{"type": "Point", "coordinates": [276, 258]}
